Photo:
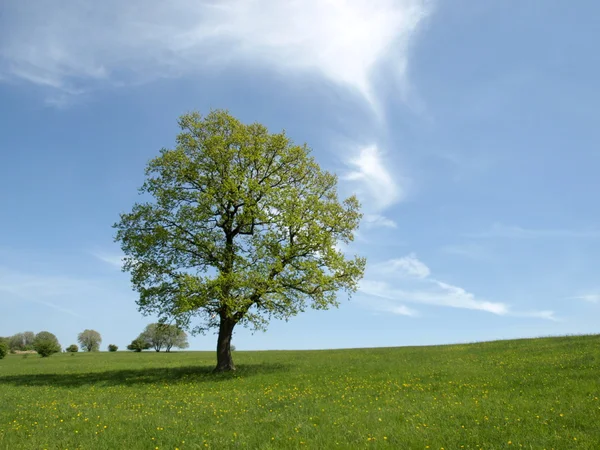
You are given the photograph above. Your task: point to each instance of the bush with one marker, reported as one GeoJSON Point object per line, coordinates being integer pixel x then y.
{"type": "Point", "coordinates": [137, 345]}
{"type": "Point", "coordinates": [112, 348]}
{"type": "Point", "coordinates": [46, 344]}
{"type": "Point", "coordinates": [3, 348]}
{"type": "Point", "coordinates": [72, 349]}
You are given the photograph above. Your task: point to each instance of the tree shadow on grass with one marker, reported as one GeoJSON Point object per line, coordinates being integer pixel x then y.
{"type": "Point", "coordinates": [130, 377]}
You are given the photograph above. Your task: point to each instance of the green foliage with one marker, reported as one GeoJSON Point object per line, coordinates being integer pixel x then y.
{"type": "Point", "coordinates": [72, 349]}
{"type": "Point", "coordinates": [46, 344]}
{"type": "Point", "coordinates": [138, 344]}
{"type": "Point", "coordinates": [3, 347]}
{"type": "Point", "coordinates": [161, 335]}
{"type": "Point", "coordinates": [21, 341]}
{"type": "Point", "coordinates": [233, 348]}
{"type": "Point", "coordinates": [536, 394]}
{"type": "Point", "coordinates": [112, 348]}
{"type": "Point", "coordinates": [89, 340]}
{"type": "Point", "coordinates": [243, 226]}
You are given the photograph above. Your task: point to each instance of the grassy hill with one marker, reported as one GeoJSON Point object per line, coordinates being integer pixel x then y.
{"type": "Point", "coordinates": [531, 393]}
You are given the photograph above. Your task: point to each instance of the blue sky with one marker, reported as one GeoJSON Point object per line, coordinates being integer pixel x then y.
{"type": "Point", "coordinates": [469, 130]}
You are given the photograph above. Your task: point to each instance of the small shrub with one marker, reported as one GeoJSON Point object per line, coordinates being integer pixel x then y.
{"type": "Point", "coordinates": [137, 345]}
{"type": "Point", "coordinates": [112, 348]}
{"type": "Point", "coordinates": [72, 349]}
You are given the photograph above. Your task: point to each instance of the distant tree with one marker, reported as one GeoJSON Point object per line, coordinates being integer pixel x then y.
{"type": "Point", "coordinates": [89, 340]}
{"type": "Point", "coordinates": [159, 335]}
{"type": "Point", "coordinates": [112, 348]}
{"type": "Point", "coordinates": [21, 341]}
{"type": "Point", "coordinates": [3, 347]}
{"type": "Point", "coordinates": [45, 343]}
{"type": "Point", "coordinates": [233, 348]}
{"type": "Point", "coordinates": [28, 338]}
{"type": "Point", "coordinates": [137, 345]}
{"type": "Point", "coordinates": [238, 225]}
{"type": "Point", "coordinates": [72, 349]}
{"type": "Point", "coordinates": [174, 337]}
{"type": "Point", "coordinates": [153, 335]}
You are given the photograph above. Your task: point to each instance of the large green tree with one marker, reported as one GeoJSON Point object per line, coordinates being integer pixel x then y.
{"type": "Point", "coordinates": [237, 226]}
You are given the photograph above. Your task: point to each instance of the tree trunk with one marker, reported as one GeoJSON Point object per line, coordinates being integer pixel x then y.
{"type": "Point", "coordinates": [224, 360]}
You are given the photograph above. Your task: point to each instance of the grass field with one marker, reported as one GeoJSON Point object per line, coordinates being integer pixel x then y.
{"type": "Point", "coordinates": [533, 394]}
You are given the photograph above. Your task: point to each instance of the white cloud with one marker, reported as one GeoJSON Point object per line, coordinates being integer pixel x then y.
{"type": "Point", "coordinates": [459, 298]}
{"type": "Point", "coordinates": [408, 280]}
{"type": "Point", "coordinates": [430, 294]}
{"type": "Point", "coordinates": [591, 298]}
{"type": "Point", "coordinates": [406, 266]}
{"type": "Point", "coordinates": [378, 221]}
{"type": "Point", "coordinates": [515, 232]}
{"type": "Point", "coordinates": [404, 311]}
{"type": "Point", "coordinates": [374, 184]}
{"type": "Point", "coordinates": [72, 46]}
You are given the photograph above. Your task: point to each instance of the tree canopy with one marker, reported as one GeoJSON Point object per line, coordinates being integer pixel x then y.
{"type": "Point", "coordinates": [89, 340]}
{"type": "Point", "coordinates": [237, 226]}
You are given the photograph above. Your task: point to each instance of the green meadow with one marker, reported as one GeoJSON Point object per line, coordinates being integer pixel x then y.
{"type": "Point", "coordinates": [531, 393]}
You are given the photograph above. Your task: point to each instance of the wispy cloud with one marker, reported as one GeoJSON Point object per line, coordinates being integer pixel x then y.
{"type": "Point", "coordinates": [58, 307]}
{"type": "Point", "coordinates": [547, 315]}
{"type": "Point", "coordinates": [515, 232]}
{"type": "Point", "coordinates": [373, 183]}
{"type": "Point", "coordinates": [409, 280]}
{"type": "Point", "coordinates": [403, 311]}
{"type": "Point", "coordinates": [436, 295]}
{"type": "Point", "coordinates": [407, 266]}
{"type": "Point", "coordinates": [470, 251]}
{"type": "Point", "coordinates": [385, 306]}
{"type": "Point", "coordinates": [41, 288]}
{"type": "Point", "coordinates": [591, 298]}
{"type": "Point", "coordinates": [75, 46]}
{"type": "Point", "coordinates": [378, 221]}
{"type": "Point", "coordinates": [115, 260]}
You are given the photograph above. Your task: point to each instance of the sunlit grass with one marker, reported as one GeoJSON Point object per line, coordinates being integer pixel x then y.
{"type": "Point", "coordinates": [533, 394]}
